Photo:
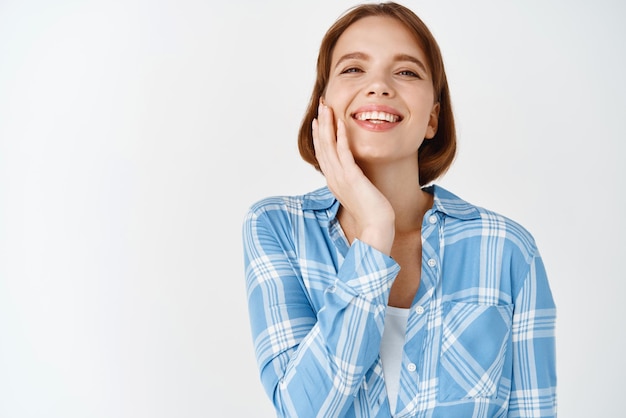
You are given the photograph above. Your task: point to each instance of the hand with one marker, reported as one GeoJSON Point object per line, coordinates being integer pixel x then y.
{"type": "Point", "coordinates": [368, 208]}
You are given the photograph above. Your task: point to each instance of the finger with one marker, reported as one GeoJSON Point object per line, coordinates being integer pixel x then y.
{"type": "Point", "coordinates": [318, 147]}
{"type": "Point", "coordinates": [344, 153]}
{"type": "Point", "coordinates": [325, 143]}
{"type": "Point", "coordinates": [322, 151]}
{"type": "Point", "coordinates": [325, 118]}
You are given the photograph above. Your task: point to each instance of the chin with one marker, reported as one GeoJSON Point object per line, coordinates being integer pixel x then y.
{"type": "Point", "coordinates": [382, 155]}
{"type": "Point", "coordinates": [376, 158]}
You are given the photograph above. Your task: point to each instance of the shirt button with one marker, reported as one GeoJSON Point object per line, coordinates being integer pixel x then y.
{"type": "Point", "coordinates": [419, 309]}
{"type": "Point", "coordinates": [332, 289]}
{"type": "Point", "coordinates": [432, 262]}
{"type": "Point", "coordinates": [432, 219]}
{"type": "Point", "coordinates": [411, 367]}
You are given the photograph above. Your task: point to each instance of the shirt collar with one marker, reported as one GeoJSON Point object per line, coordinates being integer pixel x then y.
{"type": "Point", "coordinates": [444, 201]}
{"type": "Point", "coordinates": [319, 199]}
{"type": "Point", "coordinates": [452, 205]}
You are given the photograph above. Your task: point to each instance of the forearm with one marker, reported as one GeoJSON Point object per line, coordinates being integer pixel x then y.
{"type": "Point", "coordinates": [328, 367]}
{"type": "Point", "coordinates": [313, 362]}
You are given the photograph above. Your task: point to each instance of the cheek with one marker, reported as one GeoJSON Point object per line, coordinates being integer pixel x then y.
{"type": "Point", "coordinates": [421, 109]}
{"type": "Point", "coordinates": [329, 98]}
{"type": "Point", "coordinates": [335, 99]}
{"type": "Point", "coordinates": [338, 108]}
{"type": "Point", "coordinates": [328, 92]}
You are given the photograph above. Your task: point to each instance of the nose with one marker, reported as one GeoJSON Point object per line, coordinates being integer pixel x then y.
{"type": "Point", "coordinates": [382, 92]}
{"type": "Point", "coordinates": [379, 85]}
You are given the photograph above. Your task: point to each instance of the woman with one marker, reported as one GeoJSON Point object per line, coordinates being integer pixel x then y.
{"type": "Point", "coordinates": [381, 295]}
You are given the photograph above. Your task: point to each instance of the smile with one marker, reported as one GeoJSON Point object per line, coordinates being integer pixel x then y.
{"type": "Point", "coordinates": [377, 117]}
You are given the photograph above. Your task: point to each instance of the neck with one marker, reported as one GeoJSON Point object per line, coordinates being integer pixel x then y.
{"type": "Point", "coordinates": [400, 185]}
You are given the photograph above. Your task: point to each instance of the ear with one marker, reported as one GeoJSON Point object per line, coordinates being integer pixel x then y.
{"type": "Point", "coordinates": [433, 122]}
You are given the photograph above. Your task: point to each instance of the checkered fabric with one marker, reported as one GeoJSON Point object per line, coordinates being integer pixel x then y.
{"type": "Point", "coordinates": [480, 333]}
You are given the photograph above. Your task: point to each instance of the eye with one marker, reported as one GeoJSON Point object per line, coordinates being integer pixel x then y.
{"type": "Point", "coordinates": [409, 73]}
{"type": "Point", "coordinates": [351, 70]}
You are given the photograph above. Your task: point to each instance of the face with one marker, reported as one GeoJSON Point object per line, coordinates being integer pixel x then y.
{"type": "Point", "coordinates": [381, 87]}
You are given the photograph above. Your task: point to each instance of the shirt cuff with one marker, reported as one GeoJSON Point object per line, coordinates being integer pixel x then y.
{"type": "Point", "coordinates": [367, 271]}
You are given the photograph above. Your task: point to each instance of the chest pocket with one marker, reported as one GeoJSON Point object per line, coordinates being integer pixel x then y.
{"type": "Point", "coordinates": [473, 349]}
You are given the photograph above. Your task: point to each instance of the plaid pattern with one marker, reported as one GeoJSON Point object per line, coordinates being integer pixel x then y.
{"type": "Point", "coordinates": [480, 334]}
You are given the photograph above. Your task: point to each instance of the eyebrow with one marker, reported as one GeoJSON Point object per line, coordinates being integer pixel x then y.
{"type": "Point", "coordinates": [398, 57]}
{"type": "Point", "coordinates": [411, 58]}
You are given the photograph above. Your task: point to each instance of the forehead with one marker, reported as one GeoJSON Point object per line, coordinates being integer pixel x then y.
{"type": "Point", "coordinates": [378, 35]}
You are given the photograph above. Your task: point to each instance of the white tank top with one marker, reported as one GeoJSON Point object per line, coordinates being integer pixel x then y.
{"type": "Point", "coordinates": [391, 347]}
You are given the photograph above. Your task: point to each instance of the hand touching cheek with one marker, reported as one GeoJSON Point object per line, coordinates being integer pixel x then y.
{"type": "Point", "coordinates": [368, 210]}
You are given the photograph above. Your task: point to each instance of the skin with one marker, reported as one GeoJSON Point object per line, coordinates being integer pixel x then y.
{"type": "Point", "coordinates": [371, 166]}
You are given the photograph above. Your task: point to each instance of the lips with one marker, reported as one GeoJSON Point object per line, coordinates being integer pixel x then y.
{"type": "Point", "coordinates": [377, 117]}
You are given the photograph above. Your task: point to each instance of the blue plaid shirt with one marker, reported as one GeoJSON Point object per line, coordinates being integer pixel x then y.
{"type": "Point", "coordinates": [480, 334]}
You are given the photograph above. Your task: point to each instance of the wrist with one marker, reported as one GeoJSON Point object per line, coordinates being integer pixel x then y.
{"type": "Point", "coordinates": [379, 237]}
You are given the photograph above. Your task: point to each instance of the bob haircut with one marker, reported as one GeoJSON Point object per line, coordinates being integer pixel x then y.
{"type": "Point", "coordinates": [435, 155]}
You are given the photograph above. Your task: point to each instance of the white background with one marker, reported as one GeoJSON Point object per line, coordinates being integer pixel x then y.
{"type": "Point", "coordinates": [134, 135]}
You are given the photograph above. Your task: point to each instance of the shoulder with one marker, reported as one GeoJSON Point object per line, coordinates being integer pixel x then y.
{"type": "Point", "coordinates": [512, 233]}
{"type": "Point", "coordinates": [291, 206]}
{"type": "Point", "coordinates": [280, 218]}
{"type": "Point", "coordinates": [485, 222]}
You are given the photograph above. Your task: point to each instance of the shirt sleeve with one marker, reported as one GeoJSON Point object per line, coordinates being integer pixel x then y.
{"type": "Point", "coordinates": [312, 363]}
{"type": "Point", "coordinates": [533, 392]}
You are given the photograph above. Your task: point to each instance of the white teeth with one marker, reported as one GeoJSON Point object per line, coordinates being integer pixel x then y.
{"type": "Point", "coordinates": [377, 116]}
